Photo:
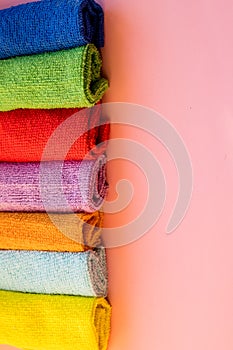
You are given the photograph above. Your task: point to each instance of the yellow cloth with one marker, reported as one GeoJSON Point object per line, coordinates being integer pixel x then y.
{"type": "Point", "coordinates": [52, 322]}
{"type": "Point", "coordinates": [35, 231]}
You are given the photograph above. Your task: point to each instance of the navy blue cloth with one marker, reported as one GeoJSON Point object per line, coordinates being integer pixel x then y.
{"type": "Point", "coordinates": [50, 25]}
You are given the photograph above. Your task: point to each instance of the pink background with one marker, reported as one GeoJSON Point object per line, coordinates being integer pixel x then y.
{"type": "Point", "coordinates": [175, 292]}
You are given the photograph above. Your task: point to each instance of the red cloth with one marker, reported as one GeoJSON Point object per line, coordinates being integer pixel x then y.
{"type": "Point", "coordinates": [24, 133]}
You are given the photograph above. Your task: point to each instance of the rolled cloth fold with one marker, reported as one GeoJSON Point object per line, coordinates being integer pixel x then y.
{"type": "Point", "coordinates": [62, 79]}
{"type": "Point", "coordinates": [50, 25]}
{"type": "Point", "coordinates": [53, 186]}
{"type": "Point", "coordinates": [35, 231]}
{"type": "Point", "coordinates": [54, 322]}
{"type": "Point", "coordinates": [82, 273]}
{"type": "Point", "coordinates": [24, 133]}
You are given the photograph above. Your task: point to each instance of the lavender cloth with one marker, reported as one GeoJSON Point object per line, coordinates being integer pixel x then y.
{"type": "Point", "coordinates": [38, 187]}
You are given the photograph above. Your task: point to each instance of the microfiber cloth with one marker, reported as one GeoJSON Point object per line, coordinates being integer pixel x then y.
{"type": "Point", "coordinates": [35, 231]}
{"type": "Point", "coordinates": [50, 25]}
{"type": "Point", "coordinates": [54, 322]}
{"type": "Point", "coordinates": [61, 79]}
{"type": "Point", "coordinates": [83, 273]}
{"type": "Point", "coordinates": [24, 133]}
{"type": "Point", "coordinates": [28, 187]}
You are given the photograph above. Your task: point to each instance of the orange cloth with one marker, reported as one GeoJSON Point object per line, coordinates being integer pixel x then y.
{"type": "Point", "coordinates": [35, 231]}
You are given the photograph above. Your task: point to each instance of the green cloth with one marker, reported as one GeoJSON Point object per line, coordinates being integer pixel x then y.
{"type": "Point", "coordinates": [62, 79]}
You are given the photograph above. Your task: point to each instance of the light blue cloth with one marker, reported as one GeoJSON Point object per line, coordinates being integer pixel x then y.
{"type": "Point", "coordinates": [83, 273]}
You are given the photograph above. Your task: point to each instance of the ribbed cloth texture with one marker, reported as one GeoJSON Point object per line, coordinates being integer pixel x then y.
{"type": "Point", "coordinates": [24, 134]}
{"type": "Point", "coordinates": [36, 231]}
{"type": "Point", "coordinates": [62, 79]}
{"type": "Point", "coordinates": [54, 273]}
{"type": "Point", "coordinates": [50, 25]}
{"type": "Point", "coordinates": [23, 188]}
{"type": "Point", "coordinates": [51, 322]}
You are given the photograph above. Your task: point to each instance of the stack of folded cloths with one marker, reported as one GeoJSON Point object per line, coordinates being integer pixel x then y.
{"type": "Point", "coordinates": [52, 285]}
